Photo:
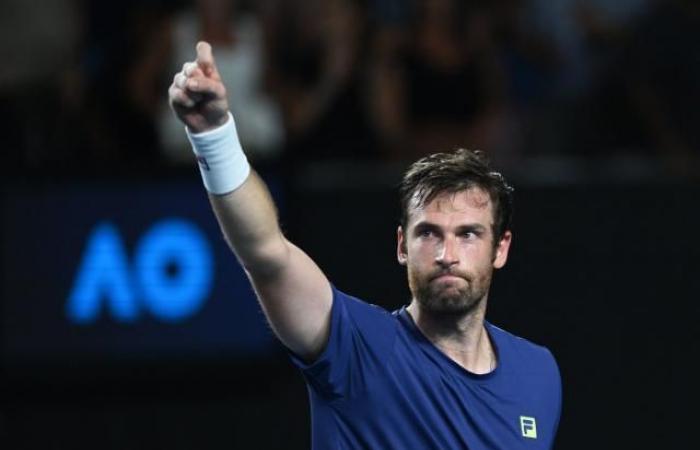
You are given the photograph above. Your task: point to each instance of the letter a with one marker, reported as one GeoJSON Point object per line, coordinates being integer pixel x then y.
{"type": "Point", "coordinates": [103, 276]}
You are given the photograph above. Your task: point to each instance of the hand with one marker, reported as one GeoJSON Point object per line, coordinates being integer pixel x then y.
{"type": "Point", "coordinates": [197, 95]}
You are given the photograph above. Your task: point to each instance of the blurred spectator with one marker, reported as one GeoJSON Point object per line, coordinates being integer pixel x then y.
{"type": "Point", "coordinates": [124, 75]}
{"type": "Point", "coordinates": [573, 25]}
{"type": "Point", "coordinates": [663, 74]}
{"type": "Point", "coordinates": [646, 100]}
{"type": "Point", "coordinates": [566, 70]}
{"type": "Point", "coordinates": [531, 68]}
{"type": "Point", "coordinates": [530, 61]}
{"type": "Point", "coordinates": [237, 39]}
{"type": "Point", "coordinates": [318, 49]}
{"type": "Point", "coordinates": [437, 82]}
{"type": "Point", "coordinates": [39, 44]}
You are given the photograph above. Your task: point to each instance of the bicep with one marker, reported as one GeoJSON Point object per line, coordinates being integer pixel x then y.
{"type": "Point", "coordinates": [297, 300]}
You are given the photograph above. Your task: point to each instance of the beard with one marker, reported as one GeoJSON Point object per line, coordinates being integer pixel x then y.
{"type": "Point", "coordinates": [449, 297]}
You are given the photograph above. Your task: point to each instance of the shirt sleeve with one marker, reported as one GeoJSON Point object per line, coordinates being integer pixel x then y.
{"type": "Point", "coordinates": [558, 394]}
{"type": "Point", "coordinates": [361, 339]}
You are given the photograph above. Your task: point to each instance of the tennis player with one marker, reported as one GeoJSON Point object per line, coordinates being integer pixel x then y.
{"type": "Point", "coordinates": [434, 374]}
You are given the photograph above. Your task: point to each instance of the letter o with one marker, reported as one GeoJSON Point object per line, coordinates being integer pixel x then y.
{"type": "Point", "coordinates": [173, 297]}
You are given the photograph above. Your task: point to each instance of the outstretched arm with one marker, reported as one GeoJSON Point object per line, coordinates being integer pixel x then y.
{"type": "Point", "coordinates": [295, 295]}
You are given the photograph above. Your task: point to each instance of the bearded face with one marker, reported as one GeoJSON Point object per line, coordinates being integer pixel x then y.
{"type": "Point", "coordinates": [448, 248]}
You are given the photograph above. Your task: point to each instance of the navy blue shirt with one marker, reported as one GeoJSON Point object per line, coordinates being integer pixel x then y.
{"type": "Point", "coordinates": [380, 384]}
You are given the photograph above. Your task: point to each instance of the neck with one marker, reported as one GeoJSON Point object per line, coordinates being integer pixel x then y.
{"type": "Point", "coordinates": [462, 338]}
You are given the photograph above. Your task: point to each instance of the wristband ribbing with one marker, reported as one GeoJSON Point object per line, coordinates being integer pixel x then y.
{"type": "Point", "coordinates": [222, 163]}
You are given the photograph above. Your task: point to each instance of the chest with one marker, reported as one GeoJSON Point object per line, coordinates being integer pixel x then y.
{"type": "Point", "coordinates": [436, 404]}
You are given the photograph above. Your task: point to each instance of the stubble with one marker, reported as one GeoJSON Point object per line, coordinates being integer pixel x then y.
{"type": "Point", "coordinates": [453, 297]}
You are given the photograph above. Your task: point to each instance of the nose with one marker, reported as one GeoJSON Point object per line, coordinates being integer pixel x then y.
{"type": "Point", "coordinates": [447, 253]}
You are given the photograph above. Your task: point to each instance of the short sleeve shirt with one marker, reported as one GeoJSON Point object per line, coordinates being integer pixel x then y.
{"type": "Point", "coordinates": [380, 384]}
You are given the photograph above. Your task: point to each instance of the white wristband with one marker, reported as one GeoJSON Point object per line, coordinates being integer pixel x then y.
{"type": "Point", "coordinates": [222, 163]}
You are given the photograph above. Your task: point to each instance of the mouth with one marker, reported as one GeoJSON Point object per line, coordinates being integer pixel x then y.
{"type": "Point", "coordinates": [446, 277]}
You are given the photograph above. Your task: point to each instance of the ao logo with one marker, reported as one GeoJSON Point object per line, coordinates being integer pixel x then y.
{"type": "Point", "coordinates": [171, 275]}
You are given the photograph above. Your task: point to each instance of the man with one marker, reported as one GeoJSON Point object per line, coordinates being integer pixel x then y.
{"type": "Point", "coordinates": [434, 375]}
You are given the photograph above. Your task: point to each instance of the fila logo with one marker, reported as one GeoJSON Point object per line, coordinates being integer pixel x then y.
{"type": "Point", "coordinates": [203, 162]}
{"type": "Point", "coordinates": [528, 427]}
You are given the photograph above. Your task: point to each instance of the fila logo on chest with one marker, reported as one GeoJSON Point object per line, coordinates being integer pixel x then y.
{"type": "Point", "coordinates": [528, 427]}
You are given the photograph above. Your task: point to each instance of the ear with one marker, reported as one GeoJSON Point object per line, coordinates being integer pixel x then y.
{"type": "Point", "coordinates": [502, 249]}
{"type": "Point", "coordinates": [401, 254]}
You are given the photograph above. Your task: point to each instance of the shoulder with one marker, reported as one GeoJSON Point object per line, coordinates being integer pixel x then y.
{"type": "Point", "coordinates": [527, 354]}
{"type": "Point", "coordinates": [360, 311]}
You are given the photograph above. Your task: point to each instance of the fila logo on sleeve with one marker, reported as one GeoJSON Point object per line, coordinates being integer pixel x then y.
{"type": "Point", "coordinates": [528, 427]}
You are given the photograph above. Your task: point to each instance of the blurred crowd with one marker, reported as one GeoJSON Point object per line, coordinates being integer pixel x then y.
{"type": "Point", "coordinates": [84, 82]}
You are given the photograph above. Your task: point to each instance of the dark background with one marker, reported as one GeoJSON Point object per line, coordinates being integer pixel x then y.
{"type": "Point", "coordinates": [589, 108]}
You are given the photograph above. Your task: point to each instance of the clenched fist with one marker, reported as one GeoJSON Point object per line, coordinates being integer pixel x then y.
{"type": "Point", "coordinates": [197, 94]}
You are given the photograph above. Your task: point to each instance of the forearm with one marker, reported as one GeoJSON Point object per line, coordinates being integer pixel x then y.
{"type": "Point", "coordinates": [240, 199]}
{"type": "Point", "coordinates": [248, 219]}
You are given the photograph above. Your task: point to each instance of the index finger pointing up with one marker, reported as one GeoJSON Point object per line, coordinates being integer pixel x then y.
{"type": "Point", "coordinates": [205, 59]}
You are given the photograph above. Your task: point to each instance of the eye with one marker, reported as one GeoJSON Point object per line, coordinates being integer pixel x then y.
{"type": "Point", "coordinates": [470, 235]}
{"type": "Point", "coordinates": [425, 232]}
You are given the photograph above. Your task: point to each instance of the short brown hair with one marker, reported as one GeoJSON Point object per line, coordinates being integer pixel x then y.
{"type": "Point", "coordinates": [455, 172]}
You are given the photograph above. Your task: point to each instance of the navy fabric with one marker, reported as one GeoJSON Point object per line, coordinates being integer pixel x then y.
{"type": "Point", "coordinates": [380, 384]}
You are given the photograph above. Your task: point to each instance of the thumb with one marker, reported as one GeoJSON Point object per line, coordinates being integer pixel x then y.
{"type": "Point", "coordinates": [205, 59]}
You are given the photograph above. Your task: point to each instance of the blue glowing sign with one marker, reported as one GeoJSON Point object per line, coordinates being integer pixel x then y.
{"type": "Point", "coordinates": [131, 271]}
{"type": "Point", "coordinates": [171, 276]}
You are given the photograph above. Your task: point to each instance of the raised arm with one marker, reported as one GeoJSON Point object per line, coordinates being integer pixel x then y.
{"type": "Point", "coordinates": [295, 295]}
